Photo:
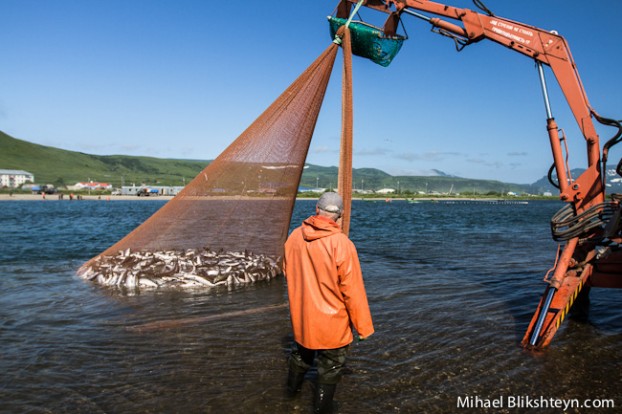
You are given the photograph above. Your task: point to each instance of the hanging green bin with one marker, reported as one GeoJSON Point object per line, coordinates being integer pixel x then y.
{"type": "Point", "coordinates": [369, 41]}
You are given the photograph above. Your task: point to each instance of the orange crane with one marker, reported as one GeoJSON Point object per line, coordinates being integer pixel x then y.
{"type": "Point", "coordinates": [589, 226]}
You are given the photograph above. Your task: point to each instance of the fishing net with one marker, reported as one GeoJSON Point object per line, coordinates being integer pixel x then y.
{"type": "Point", "coordinates": [229, 224]}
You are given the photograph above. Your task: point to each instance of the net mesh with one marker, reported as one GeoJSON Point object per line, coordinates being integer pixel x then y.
{"type": "Point", "coordinates": [229, 224]}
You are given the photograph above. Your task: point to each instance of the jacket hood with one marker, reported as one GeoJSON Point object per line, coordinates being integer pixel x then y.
{"type": "Point", "coordinates": [317, 227]}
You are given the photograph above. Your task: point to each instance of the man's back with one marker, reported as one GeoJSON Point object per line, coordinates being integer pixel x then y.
{"type": "Point", "coordinates": [325, 285]}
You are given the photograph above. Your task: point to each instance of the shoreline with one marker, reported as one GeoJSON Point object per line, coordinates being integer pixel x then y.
{"type": "Point", "coordinates": [54, 197]}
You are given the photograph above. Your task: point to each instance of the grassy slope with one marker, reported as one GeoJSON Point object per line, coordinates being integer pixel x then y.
{"type": "Point", "coordinates": [60, 167]}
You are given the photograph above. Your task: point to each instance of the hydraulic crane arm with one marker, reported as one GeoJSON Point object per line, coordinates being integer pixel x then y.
{"type": "Point", "coordinates": [545, 47]}
{"type": "Point", "coordinates": [581, 261]}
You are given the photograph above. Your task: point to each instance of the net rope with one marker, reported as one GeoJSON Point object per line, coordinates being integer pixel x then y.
{"type": "Point", "coordinates": [344, 178]}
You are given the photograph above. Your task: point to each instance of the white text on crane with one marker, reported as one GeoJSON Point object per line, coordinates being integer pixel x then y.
{"type": "Point", "coordinates": [511, 32]}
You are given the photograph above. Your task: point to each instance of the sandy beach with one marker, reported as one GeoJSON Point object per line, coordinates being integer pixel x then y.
{"type": "Point", "coordinates": [55, 197]}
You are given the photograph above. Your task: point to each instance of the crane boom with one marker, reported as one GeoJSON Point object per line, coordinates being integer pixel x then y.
{"type": "Point", "coordinates": [581, 262]}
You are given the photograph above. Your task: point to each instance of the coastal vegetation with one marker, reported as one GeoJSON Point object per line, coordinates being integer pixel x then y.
{"type": "Point", "coordinates": [63, 168]}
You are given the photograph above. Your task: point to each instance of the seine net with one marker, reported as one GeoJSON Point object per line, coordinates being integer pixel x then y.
{"type": "Point", "coordinates": [229, 224]}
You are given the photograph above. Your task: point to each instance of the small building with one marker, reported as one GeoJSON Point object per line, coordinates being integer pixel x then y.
{"type": "Point", "coordinates": [130, 190]}
{"type": "Point", "coordinates": [15, 178]}
{"type": "Point", "coordinates": [359, 191]}
{"type": "Point", "coordinates": [90, 185]}
{"type": "Point", "coordinates": [303, 189]}
{"type": "Point", "coordinates": [386, 191]}
{"type": "Point", "coordinates": [151, 190]}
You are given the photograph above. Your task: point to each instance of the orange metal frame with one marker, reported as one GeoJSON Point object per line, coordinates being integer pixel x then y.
{"type": "Point", "coordinates": [577, 265]}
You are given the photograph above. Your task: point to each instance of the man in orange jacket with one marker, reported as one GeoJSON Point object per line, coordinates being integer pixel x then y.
{"type": "Point", "coordinates": [326, 299]}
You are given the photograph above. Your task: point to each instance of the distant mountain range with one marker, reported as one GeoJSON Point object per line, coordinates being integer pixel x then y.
{"type": "Point", "coordinates": [61, 168]}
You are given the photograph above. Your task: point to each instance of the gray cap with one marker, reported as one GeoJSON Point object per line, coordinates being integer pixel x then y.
{"type": "Point", "coordinates": [331, 202]}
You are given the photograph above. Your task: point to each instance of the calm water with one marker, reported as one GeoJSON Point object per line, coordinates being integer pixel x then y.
{"type": "Point", "coordinates": [452, 289]}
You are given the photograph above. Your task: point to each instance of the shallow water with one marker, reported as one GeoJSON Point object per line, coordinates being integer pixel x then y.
{"type": "Point", "coordinates": [452, 288]}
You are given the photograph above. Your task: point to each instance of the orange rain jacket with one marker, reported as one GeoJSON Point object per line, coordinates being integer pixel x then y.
{"type": "Point", "coordinates": [325, 286]}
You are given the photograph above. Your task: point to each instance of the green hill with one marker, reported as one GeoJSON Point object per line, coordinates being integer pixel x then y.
{"type": "Point", "coordinates": [61, 168]}
{"type": "Point", "coordinates": [373, 179]}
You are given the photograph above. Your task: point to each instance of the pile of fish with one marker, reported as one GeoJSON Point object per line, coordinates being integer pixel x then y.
{"type": "Point", "coordinates": [180, 269]}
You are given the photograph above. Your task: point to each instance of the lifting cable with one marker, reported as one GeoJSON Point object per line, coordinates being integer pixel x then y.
{"type": "Point", "coordinates": [338, 39]}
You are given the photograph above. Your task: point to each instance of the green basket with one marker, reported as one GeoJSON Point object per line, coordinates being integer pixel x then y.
{"type": "Point", "coordinates": [369, 41]}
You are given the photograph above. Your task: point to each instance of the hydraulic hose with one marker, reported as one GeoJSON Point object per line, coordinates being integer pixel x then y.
{"type": "Point", "coordinates": [550, 177]}
{"type": "Point", "coordinates": [613, 141]}
{"type": "Point", "coordinates": [566, 224]}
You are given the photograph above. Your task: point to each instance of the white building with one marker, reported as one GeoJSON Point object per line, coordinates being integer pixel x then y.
{"type": "Point", "coordinates": [151, 190]}
{"type": "Point", "coordinates": [15, 178]}
{"type": "Point", "coordinates": [90, 185]}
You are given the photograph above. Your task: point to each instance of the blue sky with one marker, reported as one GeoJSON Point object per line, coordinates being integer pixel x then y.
{"type": "Point", "coordinates": [182, 79]}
